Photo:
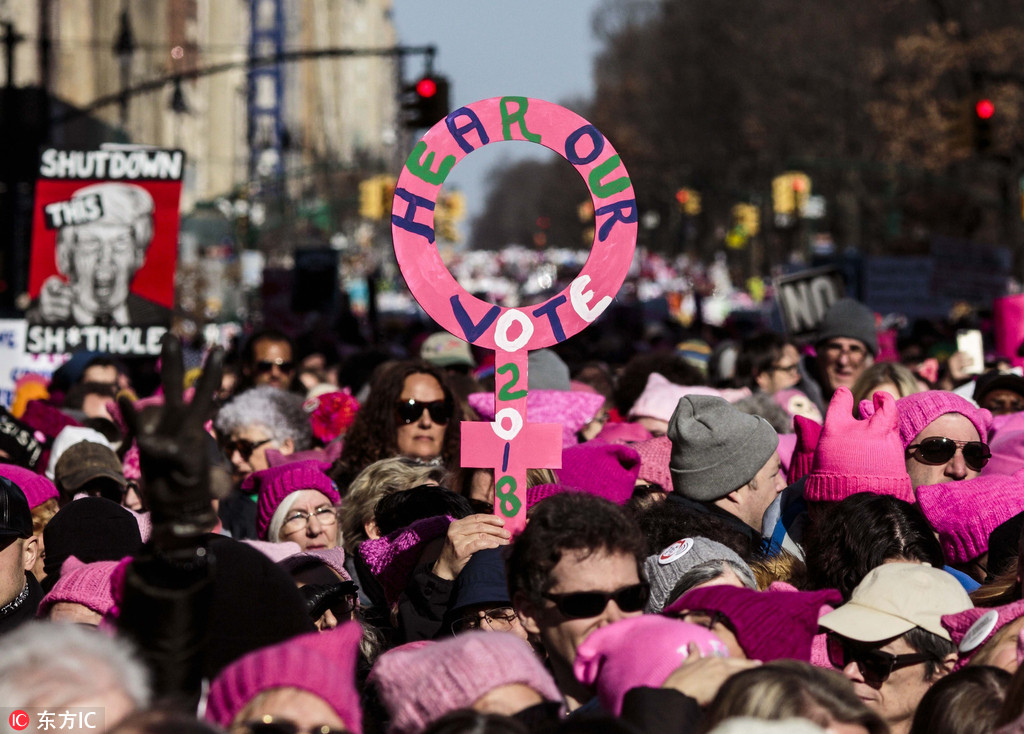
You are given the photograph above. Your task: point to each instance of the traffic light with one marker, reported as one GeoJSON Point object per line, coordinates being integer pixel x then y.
{"type": "Point", "coordinates": [984, 111]}
{"type": "Point", "coordinates": [425, 102]}
{"type": "Point", "coordinates": [748, 217]}
{"type": "Point", "coordinates": [375, 195]}
{"type": "Point", "coordinates": [790, 192]}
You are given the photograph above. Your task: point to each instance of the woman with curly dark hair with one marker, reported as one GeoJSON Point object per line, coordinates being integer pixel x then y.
{"type": "Point", "coordinates": [411, 412]}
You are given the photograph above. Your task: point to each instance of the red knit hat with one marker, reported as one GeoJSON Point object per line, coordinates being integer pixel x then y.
{"type": "Point", "coordinates": [807, 434]}
{"type": "Point", "coordinates": [277, 482]}
{"type": "Point", "coordinates": [331, 414]}
{"type": "Point", "coordinates": [769, 625]}
{"type": "Point", "coordinates": [964, 513]}
{"type": "Point", "coordinates": [858, 455]}
{"type": "Point", "coordinates": [321, 663]}
{"type": "Point", "coordinates": [606, 470]}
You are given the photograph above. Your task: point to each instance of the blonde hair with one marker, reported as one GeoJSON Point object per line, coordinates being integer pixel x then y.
{"type": "Point", "coordinates": [42, 514]}
{"type": "Point", "coordinates": [378, 480]}
{"type": "Point", "coordinates": [880, 373]}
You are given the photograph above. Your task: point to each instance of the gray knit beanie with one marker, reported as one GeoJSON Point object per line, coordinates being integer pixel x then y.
{"type": "Point", "coordinates": [666, 568]}
{"type": "Point", "coordinates": [850, 319]}
{"type": "Point", "coordinates": [716, 448]}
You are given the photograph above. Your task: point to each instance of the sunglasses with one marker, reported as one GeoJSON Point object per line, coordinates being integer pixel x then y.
{"type": "Point", "coordinates": [244, 448]}
{"type": "Point", "coordinates": [584, 604]}
{"type": "Point", "coordinates": [267, 365]}
{"type": "Point", "coordinates": [876, 666]}
{"type": "Point", "coordinates": [270, 725]}
{"type": "Point", "coordinates": [938, 450]}
{"type": "Point", "coordinates": [410, 411]}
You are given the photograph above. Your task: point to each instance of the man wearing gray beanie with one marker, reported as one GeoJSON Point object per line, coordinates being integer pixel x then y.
{"type": "Point", "coordinates": [724, 462]}
{"type": "Point", "coordinates": [846, 345]}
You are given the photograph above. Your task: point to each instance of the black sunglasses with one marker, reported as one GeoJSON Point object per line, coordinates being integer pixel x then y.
{"type": "Point", "coordinates": [266, 365]}
{"type": "Point", "coordinates": [244, 448]}
{"type": "Point", "coordinates": [270, 725]}
{"type": "Point", "coordinates": [876, 666]}
{"type": "Point", "coordinates": [583, 604]}
{"type": "Point", "coordinates": [938, 450]}
{"type": "Point", "coordinates": [411, 410]}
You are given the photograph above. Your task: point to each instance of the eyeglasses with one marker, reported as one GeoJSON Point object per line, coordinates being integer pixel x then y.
{"type": "Point", "coordinates": [875, 665]}
{"type": "Point", "coordinates": [411, 410]}
{"type": "Point", "coordinates": [267, 365]}
{"type": "Point", "coordinates": [244, 448]}
{"type": "Point", "coordinates": [937, 450]}
{"type": "Point", "coordinates": [499, 619]}
{"type": "Point", "coordinates": [270, 725]}
{"type": "Point", "coordinates": [854, 351]}
{"type": "Point", "coordinates": [583, 604]}
{"type": "Point", "coordinates": [299, 519]}
{"type": "Point", "coordinates": [792, 370]}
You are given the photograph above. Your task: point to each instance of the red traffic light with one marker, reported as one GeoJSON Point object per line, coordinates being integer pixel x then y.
{"type": "Point", "coordinates": [426, 87]}
{"type": "Point", "coordinates": [984, 109]}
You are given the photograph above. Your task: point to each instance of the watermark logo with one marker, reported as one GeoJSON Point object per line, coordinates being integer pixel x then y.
{"type": "Point", "coordinates": [54, 720]}
{"type": "Point", "coordinates": [18, 720]}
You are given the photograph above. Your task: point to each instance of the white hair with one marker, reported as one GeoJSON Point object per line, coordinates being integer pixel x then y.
{"type": "Point", "coordinates": [280, 515]}
{"type": "Point", "coordinates": [53, 664]}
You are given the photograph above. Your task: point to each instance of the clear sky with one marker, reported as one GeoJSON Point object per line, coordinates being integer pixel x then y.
{"type": "Point", "coordinates": [531, 48]}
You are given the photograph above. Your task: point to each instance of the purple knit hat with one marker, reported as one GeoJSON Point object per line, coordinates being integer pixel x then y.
{"type": "Point", "coordinates": [855, 456]}
{"type": "Point", "coordinates": [639, 651]}
{"type": "Point", "coordinates": [964, 513]}
{"type": "Point", "coordinates": [333, 558]}
{"type": "Point", "coordinates": [572, 408]}
{"type": "Point", "coordinates": [36, 487]}
{"type": "Point", "coordinates": [87, 584]}
{"type": "Point", "coordinates": [321, 663]}
{"type": "Point", "coordinates": [654, 456]}
{"type": "Point", "coordinates": [277, 482]}
{"type": "Point", "coordinates": [972, 628]}
{"type": "Point", "coordinates": [916, 411]}
{"type": "Point", "coordinates": [769, 625]}
{"type": "Point", "coordinates": [419, 686]}
{"type": "Point", "coordinates": [392, 559]}
{"type": "Point", "coordinates": [606, 470]}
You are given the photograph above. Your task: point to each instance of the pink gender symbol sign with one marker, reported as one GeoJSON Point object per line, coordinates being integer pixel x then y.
{"type": "Point", "coordinates": [510, 444]}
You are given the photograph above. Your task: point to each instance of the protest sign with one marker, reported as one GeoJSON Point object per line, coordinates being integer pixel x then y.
{"type": "Point", "coordinates": [104, 249]}
{"type": "Point", "coordinates": [511, 444]}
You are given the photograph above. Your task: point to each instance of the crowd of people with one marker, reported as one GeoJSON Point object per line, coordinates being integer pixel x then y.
{"type": "Point", "coordinates": [754, 535]}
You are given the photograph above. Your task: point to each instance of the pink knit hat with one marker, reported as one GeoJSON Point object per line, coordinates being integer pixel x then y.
{"type": "Point", "coordinates": [639, 651]}
{"type": "Point", "coordinates": [964, 513]}
{"type": "Point", "coordinates": [807, 434]}
{"type": "Point", "coordinates": [1007, 449]}
{"type": "Point", "coordinates": [333, 558]}
{"type": "Point", "coordinates": [572, 408]}
{"type": "Point", "coordinates": [858, 456]}
{"type": "Point", "coordinates": [660, 397]}
{"type": "Point", "coordinates": [621, 432]}
{"type": "Point", "coordinates": [654, 455]}
{"type": "Point", "coordinates": [607, 470]}
{"type": "Point", "coordinates": [392, 559]}
{"type": "Point", "coordinates": [972, 628]}
{"type": "Point", "coordinates": [417, 687]}
{"type": "Point", "coordinates": [130, 465]}
{"type": "Point", "coordinates": [36, 487]}
{"type": "Point", "coordinates": [277, 482]}
{"type": "Point", "coordinates": [916, 411]}
{"type": "Point", "coordinates": [769, 625]}
{"type": "Point", "coordinates": [321, 663]}
{"type": "Point", "coordinates": [87, 584]}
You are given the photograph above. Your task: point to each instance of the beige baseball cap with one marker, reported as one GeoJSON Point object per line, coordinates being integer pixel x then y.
{"type": "Point", "coordinates": [896, 597]}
